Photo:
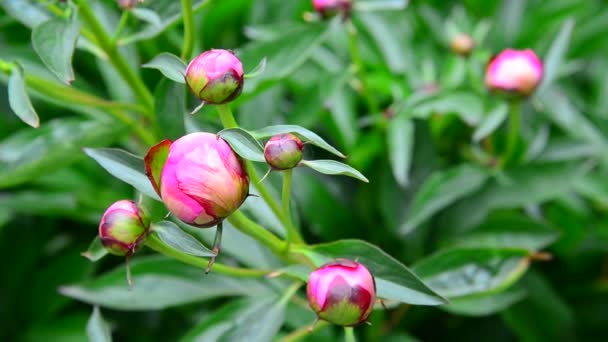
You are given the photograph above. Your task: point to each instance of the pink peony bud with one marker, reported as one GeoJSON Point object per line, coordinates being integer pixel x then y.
{"type": "Point", "coordinates": [514, 71]}
{"type": "Point", "coordinates": [215, 76]}
{"type": "Point", "coordinates": [203, 181]}
{"type": "Point", "coordinates": [462, 44]}
{"type": "Point", "coordinates": [283, 151]}
{"type": "Point", "coordinates": [123, 227]}
{"type": "Point", "coordinates": [342, 292]}
{"type": "Point", "coordinates": [329, 8]}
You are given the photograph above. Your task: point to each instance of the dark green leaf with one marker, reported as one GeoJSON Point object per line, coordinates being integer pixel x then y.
{"type": "Point", "coordinates": [304, 134]}
{"type": "Point", "coordinates": [54, 41]}
{"type": "Point", "coordinates": [179, 240]}
{"type": "Point", "coordinates": [332, 167]}
{"type": "Point", "coordinates": [485, 304]}
{"type": "Point", "coordinates": [125, 166]}
{"type": "Point", "coordinates": [556, 55]}
{"type": "Point", "coordinates": [160, 283]}
{"type": "Point", "coordinates": [400, 140]}
{"type": "Point", "coordinates": [95, 251]}
{"type": "Point", "coordinates": [442, 189]}
{"type": "Point", "coordinates": [243, 143]}
{"type": "Point", "coordinates": [491, 122]}
{"type": "Point", "coordinates": [18, 99]}
{"type": "Point", "coordinates": [169, 65]}
{"type": "Point", "coordinates": [170, 107]}
{"type": "Point", "coordinates": [393, 279]}
{"type": "Point", "coordinates": [97, 329]}
{"type": "Point", "coordinates": [463, 272]}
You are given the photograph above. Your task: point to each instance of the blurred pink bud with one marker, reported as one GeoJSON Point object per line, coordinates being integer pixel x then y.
{"type": "Point", "coordinates": [203, 181]}
{"type": "Point", "coordinates": [283, 151]}
{"type": "Point", "coordinates": [329, 8]}
{"type": "Point", "coordinates": [123, 227]}
{"type": "Point", "coordinates": [462, 44]}
{"type": "Point", "coordinates": [215, 76]}
{"type": "Point", "coordinates": [128, 4]}
{"type": "Point", "coordinates": [342, 292]}
{"type": "Point", "coordinates": [514, 71]}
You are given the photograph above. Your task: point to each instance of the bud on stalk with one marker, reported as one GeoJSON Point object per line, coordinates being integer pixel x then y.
{"type": "Point", "coordinates": [462, 44]}
{"type": "Point", "coordinates": [342, 292]}
{"type": "Point", "coordinates": [283, 151]}
{"type": "Point", "coordinates": [516, 72]}
{"type": "Point", "coordinates": [330, 8]}
{"type": "Point", "coordinates": [123, 227]}
{"type": "Point", "coordinates": [215, 76]}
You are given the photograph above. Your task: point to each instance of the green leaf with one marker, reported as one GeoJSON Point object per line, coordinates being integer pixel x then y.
{"type": "Point", "coordinates": [400, 140]}
{"type": "Point", "coordinates": [387, 41]}
{"type": "Point", "coordinates": [394, 280]}
{"type": "Point", "coordinates": [155, 161]}
{"type": "Point", "coordinates": [258, 70]}
{"type": "Point", "coordinates": [304, 134]}
{"type": "Point", "coordinates": [171, 66]}
{"type": "Point", "coordinates": [491, 122]}
{"type": "Point", "coordinates": [468, 107]}
{"type": "Point", "coordinates": [332, 167]}
{"type": "Point", "coordinates": [170, 108]}
{"type": "Point", "coordinates": [159, 283]}
{"type": "Point", "coordinates": [97, 329]}
{"type": "Point", "coordinates": [29, 154]}
{"type": "Point", "coordinates": [380, 5]}
{"type": "Point", "coordinates": [485, 304]}
{"type": "Point", "coordinates": [125, 166]}
{"type": "Point", "coordinates": [95, 251]}
{"type": "Point", "coordinates": [147, 15]}
{"type": "Point", "coordinates": [243, 143]}
{"type": "Point", "coordinates": [18, 99]}
{"type": "Point", "coordinates": [556, 55]}
{"type": "Point", "coordinates": [250, 319]}
{"type": "Point", "coordinates": [441, 189]}
{"type": "Point", "coordinates": [54, 41]}
{"type": "Point", "coordinates": [463, 272]}
{"type": "Point", "coordinates": [179, 240]}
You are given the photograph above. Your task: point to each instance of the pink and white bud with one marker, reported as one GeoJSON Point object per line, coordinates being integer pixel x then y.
{"type": "Point", "coordinates": [215, 76]}
{"type": "Point", "coordinates": [514, 71]}
{"type": "Point", "coordinates": [462, 44]}
{"type": "Point", "coordinates": [203, 181]}
{"type": "Point", "coordinates": [283, 151]}
{"type": "Point", "coordinates": [123, 227]}
{"type": "Point", "coordinates": [329, 8]}
{"type": "Point", "coordinates": [342, 292]}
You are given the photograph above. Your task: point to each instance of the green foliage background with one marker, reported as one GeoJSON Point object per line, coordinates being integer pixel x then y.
{"type": "Point", "coordinates": [414, 118]}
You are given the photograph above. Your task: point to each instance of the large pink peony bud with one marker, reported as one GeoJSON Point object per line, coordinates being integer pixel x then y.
{"type": "Point", "coordinates": [328, 8]}
{"type": "Point", "coordinates": [123, 227]}
{"type": "Point", "coordinates": [215, 76]}
{"type": "Point", "coordinates": [514, 71]}
{"type": "Point", "coordinates": [203, 181]}
{"type": "Point", "coordinates": [342, 292]}
{"type": "Point", "coordinates": [283, 151]}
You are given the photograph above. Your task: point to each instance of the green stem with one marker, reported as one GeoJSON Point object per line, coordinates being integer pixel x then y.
{"type": "Point", "coordinates": [513, 137]}
{"type": "Point", "coordinates": [156, 244]}
{"type": "Point", "coordinates": [292, 234]}
{"type": "Point", "coordinates": [124, 18]}
{"type": "Point", "coordinates": [291, 290]}
{"type": "Point", "coordinates": [349, 334]}
{"type": "Point", "coordinates": [247, 226]}
{"type": "Point", "coordinates": [135, 83]}
{"type": "Point", "coordinates": [227, 119]}
{"type": "Point", "coordinates": [303, 332]}
{"type": "Point", "coordinates": [188, 20]}
{"type": "Point", "coordinates": [353, 47]}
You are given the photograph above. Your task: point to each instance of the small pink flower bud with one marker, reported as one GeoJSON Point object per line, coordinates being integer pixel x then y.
{"type": "Point", "coordinates": [514, 71]}
{"type": "Point", "coordinates": [123, 227]}
{"type": "Point", "coordinates": [329, 8]}
{"type": "Point", "coordinates": [215, 76]}
{"type": "Point", "coordinates": [462, 44]}
{"type": "Point", "coordinates": [283, 151]}
{"type": "Point", "coordinates": [128, 4]}
{"type": "Point", "coordinates": [203, 181]}
{"type": "Point", "coordinates": [342, 292]}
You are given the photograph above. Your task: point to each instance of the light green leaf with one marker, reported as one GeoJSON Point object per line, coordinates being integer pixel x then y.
{"type": "Point", "coordinates": [491, 122]}
{"type": "Point", "coordinates": [468, 106]}
{"type": "Point", "coordinates": [332, 167]}
{"type": "Point", "coordinates": [303, 133]}
{"type": "Point", "coordinates": [556, 55]}
{"type": "Point", "coordinates": [18, 99]}
{"type": "Point", "coordinates": [173, 236]}
{"type": "Point", "coordinates": [95, 251]}
{"type": "Point", "coordinates": [400, 140]}
{"type": "Point", "coordinates": [258, 70]}
{"type": "Point", "coordinates": [54, 41]}
{"type": "Point", "coordinates": [380, 5]}
{"type": "Point", "coordinates": [97, 329]}
{"type": "Point", "coordinates": [125, 166]}
{"type": "Point", "coordinates": [485, 304]}
{"type": "Point", "coordinates": [243, 143]}
{"type": "Point", "coordinates": [169, 65]}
